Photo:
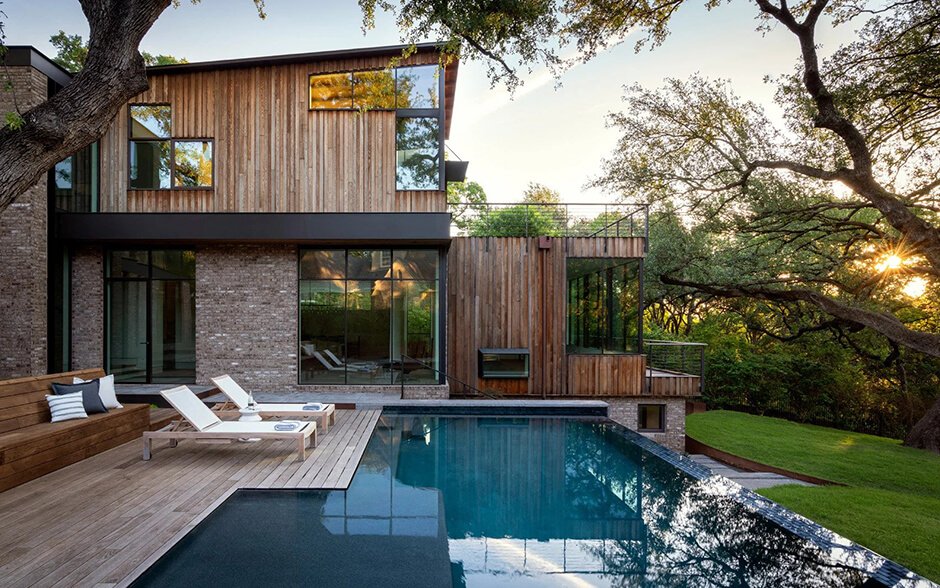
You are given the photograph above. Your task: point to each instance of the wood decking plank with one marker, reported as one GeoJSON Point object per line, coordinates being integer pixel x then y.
{"type": "Point", "coordinates": [102, 521]}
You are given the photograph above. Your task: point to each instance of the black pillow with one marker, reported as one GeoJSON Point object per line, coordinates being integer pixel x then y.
{"type": "Point", "coordinates": [91, 401]}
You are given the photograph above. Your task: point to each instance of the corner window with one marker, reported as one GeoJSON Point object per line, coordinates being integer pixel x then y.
{"type": "Point", "coordinates": [74, 184]}
{"type": "Point", "coordinates": [417, 153]}
{"type": "Point", "coordinates": [651, 418]}
{"type": "Point", "coordinates": [157, 161]}
{"type": "Point", "coordinates": [417, 87]}
{"type": "Point", "coordinates": [603, 305]}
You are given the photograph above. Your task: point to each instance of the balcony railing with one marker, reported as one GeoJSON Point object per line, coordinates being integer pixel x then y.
{"type": "Point", "coordinates": [675, 358]}
{"type": "Point", "coordinates": [549, 220]}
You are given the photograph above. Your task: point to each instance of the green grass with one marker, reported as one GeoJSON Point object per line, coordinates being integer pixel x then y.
{"type": "Point", "coordinates": [892, 500]}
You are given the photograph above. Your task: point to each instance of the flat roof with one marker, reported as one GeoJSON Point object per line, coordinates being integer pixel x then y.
{"type": "Point", "coordinates": [32, 57]}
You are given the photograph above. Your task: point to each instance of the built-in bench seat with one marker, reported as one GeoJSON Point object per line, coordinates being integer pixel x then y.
{"type": "Point", "coordinates": [31, 446]}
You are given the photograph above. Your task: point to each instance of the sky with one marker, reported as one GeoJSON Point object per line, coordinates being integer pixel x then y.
{"type": "Point", "coordinates": [546, 133]}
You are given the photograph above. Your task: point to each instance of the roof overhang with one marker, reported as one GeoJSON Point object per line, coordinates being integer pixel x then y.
{"type": "Point", "coordinates": [415, 228]}
{"type": "Point", "coordinates": [32, 57]}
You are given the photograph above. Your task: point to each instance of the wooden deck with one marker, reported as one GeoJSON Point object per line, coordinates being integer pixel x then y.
{"type": "Point", "coordinates": [104, 520]}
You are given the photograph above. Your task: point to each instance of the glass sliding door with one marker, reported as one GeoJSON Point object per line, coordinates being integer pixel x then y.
{"type": "Point", "coordinates": [151, 316]}
{"type": "Point", "coordinates": [368, 315]}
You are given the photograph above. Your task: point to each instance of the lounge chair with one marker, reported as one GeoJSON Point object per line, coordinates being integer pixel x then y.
{"type": "Point", "coordinates": [238, 399]}
{"type": "Point", "coordinates": [358, 366]}
{"type": "Point", "coordinates": [338, 368]}
{"type": "Point", "coordinates": [200, 423]}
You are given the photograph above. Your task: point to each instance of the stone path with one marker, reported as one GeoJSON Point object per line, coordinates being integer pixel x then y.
{"type": "Point", "coordinates": [750, 480]}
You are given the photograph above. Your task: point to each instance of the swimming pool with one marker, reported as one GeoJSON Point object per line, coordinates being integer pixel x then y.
{"type": "Point", "coordinates": [493, 501]}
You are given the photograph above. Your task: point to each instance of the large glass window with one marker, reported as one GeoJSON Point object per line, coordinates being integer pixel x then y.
{"type": "Point", "coordinates": [417, 87]}
{"type": "Point", "coordinates": [157, 162]}
{"type": "Point", "coordinates": [408, 87]}
{"type": "Point", "coordinates": [418, 153]}
{"type": "Point", "coordinates": [603, 305]}
{"type": "Point", "coordinates": [367, 316]}
{"type": "Point", "coordinates": [75, 181]}
{"type": "Point", "coordinates": [151, 315]}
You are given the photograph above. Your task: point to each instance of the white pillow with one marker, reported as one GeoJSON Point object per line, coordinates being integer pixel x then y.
{"type": "Point", "coordinates": [105, 391]}
{"type": "Point", "coordinates": [65, 407]}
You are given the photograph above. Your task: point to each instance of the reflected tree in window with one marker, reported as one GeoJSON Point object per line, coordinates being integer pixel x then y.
{"type": "Point", "coordinates": [374, 90]}
{"type": "Point", "coordinates": [418, 153]}
{"type": "Point", "coordinates": [331, 91]}
{"type": "Point", "coordinates": [193, 164]}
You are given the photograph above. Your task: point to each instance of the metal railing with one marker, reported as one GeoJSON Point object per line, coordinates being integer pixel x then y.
{"type": "Point", "coordinates": [675, 357]}
{"type": "Point", "coordinates": [465, 388]}
{"type": "Point", "coordinates": [521, 219]}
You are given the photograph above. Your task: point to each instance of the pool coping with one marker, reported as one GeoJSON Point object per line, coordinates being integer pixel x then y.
{"type": "Point", "coordinates": [879, 567]}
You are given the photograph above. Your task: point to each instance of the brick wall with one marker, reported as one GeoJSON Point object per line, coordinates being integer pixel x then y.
{"type": "Point", "coordinates": [624, 411]}
{"type": "Point", "coordinates": [87, 308]}
{"type": "Point", "coordinates": [246, 315]}
{"type": "Point", "coordinates": [23, 228]}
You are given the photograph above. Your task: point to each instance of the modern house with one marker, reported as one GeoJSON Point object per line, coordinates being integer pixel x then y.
{"type": "Point", "coordinates": [284, 220]}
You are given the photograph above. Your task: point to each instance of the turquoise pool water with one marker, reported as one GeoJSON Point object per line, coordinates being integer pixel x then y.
{"type": "Point", "coordinates": [443, 501]}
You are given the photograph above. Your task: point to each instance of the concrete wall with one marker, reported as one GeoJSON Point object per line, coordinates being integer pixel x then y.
{"type": "Point", "coordinates": [23, 234]}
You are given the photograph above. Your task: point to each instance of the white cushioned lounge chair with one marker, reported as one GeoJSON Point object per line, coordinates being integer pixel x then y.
{"type": "Point", "coordinates": [238, 399]}
{"type": "Point", "coordinates": [200, 423]}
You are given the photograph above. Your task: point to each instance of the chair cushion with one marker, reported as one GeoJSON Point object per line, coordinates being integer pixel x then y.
{"type": "Point", "coordinates": [91, 400]}
{"type": "Point", "coordinates": [65, 407]}
{"type": "Point", "coordinates": [105, 390]}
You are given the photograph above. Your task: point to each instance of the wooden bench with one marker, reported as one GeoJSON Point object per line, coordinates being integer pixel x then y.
{"type": "Point", "coordinates": [31, 446]}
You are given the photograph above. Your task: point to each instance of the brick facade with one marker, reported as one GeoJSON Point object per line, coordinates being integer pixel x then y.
{"type": "Point", "coordinates": [624, 411]}
{"type": "Point", "coordinates": [87, 308]}
{"type": "Point", "coordinates": [23, 234]}
{"type": "Point", "coordinates": [246, 315]}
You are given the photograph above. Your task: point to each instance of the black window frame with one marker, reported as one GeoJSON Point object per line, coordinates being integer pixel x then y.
{"type": "Point", "coordinates": [481, 363]}
{"type": "Point", "coordinates": [641, 307]}
{"type": "Point", "coordinates": [172, 140]}
{"type": "Point", "coordinates": [640, 420]}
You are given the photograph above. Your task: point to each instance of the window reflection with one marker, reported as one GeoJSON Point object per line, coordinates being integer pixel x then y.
{"type": "Point", "coordinates": [75, 181]}
{"type": "Point", "coordinates": [374, 89]}
{"type": "Point", "coordinates": [150, 121]}
{"type": "Point", "coordinates": [417, 86]}
{"type": "Point", "coordinates": [331, 91]}
{"type": "Point", "coordinates": [418, 153]}
{"type": "Point", "coordinates": [193, 164]}
{"type": "Point", "coordinates": [603, 305]}
{"type": "Point", "coordinates": [363, 310]}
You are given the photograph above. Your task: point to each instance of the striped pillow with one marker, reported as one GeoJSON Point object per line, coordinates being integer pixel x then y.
{"type": "Point", "coordinates": [66, 406]}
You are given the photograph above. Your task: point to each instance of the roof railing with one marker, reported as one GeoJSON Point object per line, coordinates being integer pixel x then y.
{"type": "Point", "coordinates": [526, 219]}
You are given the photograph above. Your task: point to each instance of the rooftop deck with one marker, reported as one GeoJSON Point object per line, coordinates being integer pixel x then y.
{"type": "Point", "coordinates": [102, 521]}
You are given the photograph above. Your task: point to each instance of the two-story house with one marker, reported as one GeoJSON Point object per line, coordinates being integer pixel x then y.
{"type": "Point", "coordinates": [284, 220]}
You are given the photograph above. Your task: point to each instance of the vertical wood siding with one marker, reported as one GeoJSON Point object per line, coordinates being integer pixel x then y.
{"type": "Point", "coordinates": [506, 292]}
{"type": "Point", "coordinates": [271, 154]}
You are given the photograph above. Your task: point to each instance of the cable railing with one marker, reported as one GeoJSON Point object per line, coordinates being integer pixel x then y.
{"type": "Point", "coordinates": [465, 388]}
{"type": "Point", "coordinates": [523, 219]}
{"type": "Point", "coordinates": [681, 358]}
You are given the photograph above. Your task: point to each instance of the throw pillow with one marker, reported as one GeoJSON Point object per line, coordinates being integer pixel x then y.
{"type": "Point", "coordinates": [90, 399]}
{"type": "Point", "coordinates": [65, 407]}
{"type": "Point", "coordinates": [105, 391]}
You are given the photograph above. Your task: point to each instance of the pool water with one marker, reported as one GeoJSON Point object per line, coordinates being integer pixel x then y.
{"type": "Point", "coordinates": [444, 501]}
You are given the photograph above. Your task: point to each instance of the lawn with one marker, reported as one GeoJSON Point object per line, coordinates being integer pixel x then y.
{"type": "Point", "coordinates": [892, 500]}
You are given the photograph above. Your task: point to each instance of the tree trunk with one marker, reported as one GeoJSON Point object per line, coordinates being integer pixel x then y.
{"type": "Point", "coordinates": [80, 113]}
{"type": "Point", "coordinates": [926, 432]}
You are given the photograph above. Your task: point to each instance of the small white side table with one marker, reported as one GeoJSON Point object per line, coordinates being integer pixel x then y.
{"type": "Point", "coordinates": [249, 415]}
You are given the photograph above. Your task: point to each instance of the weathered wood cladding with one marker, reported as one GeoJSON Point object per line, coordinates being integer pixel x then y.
{"type": "Point", "coordinates": [665, 384]}
{"type": "Point", "coordinates": [270, 153]}
{"type": "Point", "coordinates": [507, 292]}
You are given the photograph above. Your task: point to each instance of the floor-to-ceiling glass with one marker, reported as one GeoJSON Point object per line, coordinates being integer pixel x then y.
{"type": "Point", "coordinates": [150, 316]}
{"type": "Point", "coordinates": [369, 316]}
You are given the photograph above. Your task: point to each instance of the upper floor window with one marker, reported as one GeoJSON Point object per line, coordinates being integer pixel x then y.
{"type": "Point", "coordinates": [418, 153]}
{"type": "Point", "coordinates": [157, 161]}
{"type": "Point", "coordinates": [74, 184]}
{"type": "Point", "coordinates": [400, 88]}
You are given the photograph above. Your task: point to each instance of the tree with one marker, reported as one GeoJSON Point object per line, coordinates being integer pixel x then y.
{"type": "Point", "coordinates": [71, 52]}
{"type": "Point", "coordinates": [80, 113]}
{"type": "Point", "coordinates": [466, 202]}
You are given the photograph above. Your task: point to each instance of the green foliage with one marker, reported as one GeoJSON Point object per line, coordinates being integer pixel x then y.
{"type": "Point", "coordinates": [72, 51]}
{"type": "Point", "coordinates": [13, 120]}
{"type": "Point", "coordinates": [891, 504]}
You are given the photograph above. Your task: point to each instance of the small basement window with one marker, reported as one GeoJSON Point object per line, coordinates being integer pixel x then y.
{"type": "Point", "coordinates": [503, 363]}
{"type": "Point", "coordinates": [652, 417]}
